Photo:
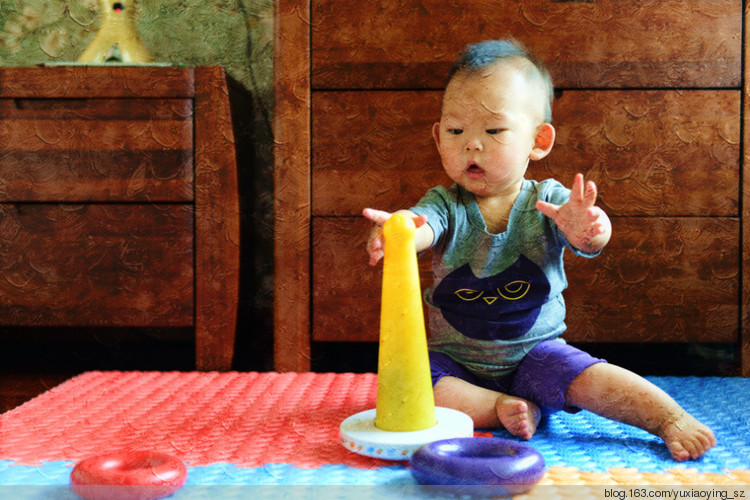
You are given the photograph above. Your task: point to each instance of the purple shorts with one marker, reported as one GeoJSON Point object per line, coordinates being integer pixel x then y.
{"type": "Point", "coordinates": [542, 377]}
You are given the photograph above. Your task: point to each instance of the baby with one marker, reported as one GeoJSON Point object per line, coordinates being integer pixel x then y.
{"type": "Point", "coordinates": [496, 306]}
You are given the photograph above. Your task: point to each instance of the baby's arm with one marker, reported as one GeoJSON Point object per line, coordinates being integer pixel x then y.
{"type": "Point", "coordinates": [585, 225]}
{"type": "Point", "coordinates": [375, 244]}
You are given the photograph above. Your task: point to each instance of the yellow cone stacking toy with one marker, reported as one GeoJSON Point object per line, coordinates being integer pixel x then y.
{"type": "Point", "coordinates": [405, 398]}
{"type": "Point", "coordinates": [405, 417]}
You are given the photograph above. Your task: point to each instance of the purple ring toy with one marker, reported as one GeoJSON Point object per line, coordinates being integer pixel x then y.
{"type": "Point", "coordinates": [478, 465]}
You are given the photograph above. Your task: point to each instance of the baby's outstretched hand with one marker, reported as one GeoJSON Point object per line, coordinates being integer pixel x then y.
{"type": "Point", "coordinates": [376, 242]}
{"type": "Point", "coordinates": [585, 225]}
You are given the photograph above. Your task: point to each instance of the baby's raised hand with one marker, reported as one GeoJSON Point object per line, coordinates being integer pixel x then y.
{"type": "Point", "coordinates": [585, 225]}
{"type": "Point", "coordinates": [376, 242]}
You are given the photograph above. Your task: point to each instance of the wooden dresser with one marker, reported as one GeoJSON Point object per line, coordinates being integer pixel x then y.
{"type": "Point", "coordinates": [649, 106]}
{"type": "Point", "coordinates": [118, 201]}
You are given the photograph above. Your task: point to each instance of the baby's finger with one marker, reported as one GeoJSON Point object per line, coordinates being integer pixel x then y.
{"type": "Point", "coordinates": [576, 192]}
{"type": "Point", "coordinates": [590, 195]}
{"type": "Point", "coordinates": [420, 221]}
{"type": "Point", "coordinates": [377, 216]}
{"type": "Point", "coordinates": [375, 247]}
{"type": "Point", "coordinates": [375, 241]}
{"type": "Point", "coordinates": [375, 257]}
{"type": "Point", "coordinates": [594, 212]}
{"type": "Point", "coordinates": [548, 209]}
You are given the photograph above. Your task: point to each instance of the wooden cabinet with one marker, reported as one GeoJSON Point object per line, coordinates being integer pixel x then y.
{"type": "Point", "coordinates": [119, 202]}
{"type": "Point", "coordinates": [649, 106]}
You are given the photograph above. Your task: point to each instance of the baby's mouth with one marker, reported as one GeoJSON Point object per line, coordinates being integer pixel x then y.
{"type": "Point", "coordinates": [474, 170]}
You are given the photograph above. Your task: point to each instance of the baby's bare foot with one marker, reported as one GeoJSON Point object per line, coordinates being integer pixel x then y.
{"type": "Point", "coordinates": [518, 416]}
{"type": "Point", "coordinates": [686, 438]}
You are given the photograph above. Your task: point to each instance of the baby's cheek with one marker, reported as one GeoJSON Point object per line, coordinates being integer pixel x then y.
{"type": "Point", "coordinates": [502, 139]}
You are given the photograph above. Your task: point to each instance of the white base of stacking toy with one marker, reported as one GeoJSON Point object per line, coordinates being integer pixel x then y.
{"type": "Point", "coordinates": [359, 434]}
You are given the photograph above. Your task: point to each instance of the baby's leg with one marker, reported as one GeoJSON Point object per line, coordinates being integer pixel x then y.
{"type": "Point", "coordinates": [488, 408]}
{"type": "Point", "coordinates": [621, 395]}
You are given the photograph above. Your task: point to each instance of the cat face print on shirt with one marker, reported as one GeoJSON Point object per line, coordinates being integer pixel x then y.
{"type": "Point", "coordinates": [500, 307]}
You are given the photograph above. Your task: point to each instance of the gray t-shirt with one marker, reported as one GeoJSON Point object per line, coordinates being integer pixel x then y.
{"type": "Point", "coordinates": [494, 296]}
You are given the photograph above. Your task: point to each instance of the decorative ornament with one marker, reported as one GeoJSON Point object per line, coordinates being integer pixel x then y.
{"type": "Point", "coordinates": [117, 40]}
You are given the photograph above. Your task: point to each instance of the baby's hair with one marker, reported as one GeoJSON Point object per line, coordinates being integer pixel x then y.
{"type": "Point", "coordinates": [478, 56]}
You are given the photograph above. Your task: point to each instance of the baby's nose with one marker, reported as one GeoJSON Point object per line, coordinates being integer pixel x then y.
{"type": "Point", "coordinates": [473, 145]}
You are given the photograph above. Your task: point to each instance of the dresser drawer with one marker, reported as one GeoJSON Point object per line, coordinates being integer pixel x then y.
{"type": "Point", "coordinates": [96, 265]}
{"type": "Point", "coordinates": [346, 291]}
{"type": "Point", "coordinates": [635, 144]}
{"type": "Point", "coordinates": [658, 280]}
{"type": "Point", "coordinates": [411, 44]}
{"type": "Point", "coordinates": [76, 150]}
{"type": "Point", "coordinates": [650, 106]}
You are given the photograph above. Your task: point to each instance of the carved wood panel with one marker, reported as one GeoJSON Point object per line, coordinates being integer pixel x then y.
{"type": "Point", "coordinates": [651, 152]}
{"type": "Point", "coordinates": [96, 265]}
{"type": "Point", "coordinates": [93, 82]}
{"type": "Point", "coordinates": [603, 43]}
{"type": "Point", "coordinates": [96, 149]}
{"type": "Point", "coordinates": [292, 186]}
{"type": "Point", "coordinates": [650, 111]}
{"type": "Point", "coordinates": [146, 162]}
{"type": "Point", "coordinates": [659, 279]}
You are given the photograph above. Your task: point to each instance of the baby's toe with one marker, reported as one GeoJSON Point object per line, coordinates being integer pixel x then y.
{"type": "Point", "coordinates": [678, 451]}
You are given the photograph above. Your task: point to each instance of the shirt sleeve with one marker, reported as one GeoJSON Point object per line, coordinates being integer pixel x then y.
{"type": "Point", "coordinates": [436, 206]}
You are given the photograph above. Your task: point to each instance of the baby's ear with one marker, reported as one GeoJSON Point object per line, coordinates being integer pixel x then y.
{"type": "Point", "coordinates": [436, 134]}
{"type": "Point", "coordinates": [545, 138]}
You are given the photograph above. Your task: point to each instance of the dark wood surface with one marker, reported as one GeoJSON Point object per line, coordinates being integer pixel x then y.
{"type": "Point", "coordinates": [96, 149]}
{"type": "Point", "coordinates": [94, 82]}
{"type": "Point", "coordinates": [659, 153]}
{"type": "Point", "coordinates": [604, 44]}
{"type": "Point", "coordinates": [119, 202]}
{"type": "Point", "coordinates": [376, 149]}
{"type": "Point", "coordinates": [745, 295]}
{"type": "Point", "coordinates": [96, 265]}
{"type": "Point", "coordinates": [650, 109]}
{"type": "Point", "coordinates": [291, 129]}
{"type": "Point", "coordinates": [217, 222]}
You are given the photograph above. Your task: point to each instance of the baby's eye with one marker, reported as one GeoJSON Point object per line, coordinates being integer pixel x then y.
{"type": "Point", "coordinates": [494, 131]}
{"type": "Point", "coordinates": [455, 131]}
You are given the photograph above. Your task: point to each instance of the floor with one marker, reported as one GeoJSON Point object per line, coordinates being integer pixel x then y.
{"type": "Point", "coordinates": [32, 362]}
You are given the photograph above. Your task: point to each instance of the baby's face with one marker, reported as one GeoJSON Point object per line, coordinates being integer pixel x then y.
{"type": "Point", "coordinates": [487, 129]}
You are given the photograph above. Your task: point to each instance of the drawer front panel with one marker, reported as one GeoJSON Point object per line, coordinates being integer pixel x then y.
{"type": "Point", "coordinates": [97, 81]}
{"type": "Point", "coordinates": [373, 148]}
{"type": "Point", "coordinates": [610, 43]}
{"type": "Point", "coordinates": [345, 289]}
{"type": "Point", "coordinates": [74, 150]}
{"type": "Point", "coordinates": [658, 280]}
{"type": "Point", "coordinates": [650, 152]}
{"type": "Point", "coordinates": [96, 265]}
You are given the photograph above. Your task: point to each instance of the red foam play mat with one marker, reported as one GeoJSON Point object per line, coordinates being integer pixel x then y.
{"type": "Point", "coordinates": [246, 419]}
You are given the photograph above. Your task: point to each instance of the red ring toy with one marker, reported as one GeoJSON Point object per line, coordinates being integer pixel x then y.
{"type": "Point", "coordinates": [130, 475]}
